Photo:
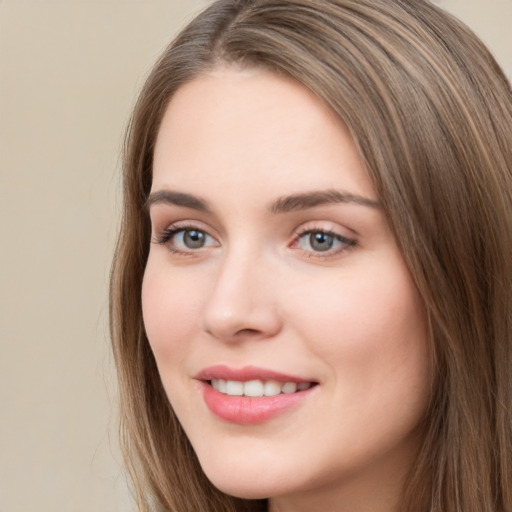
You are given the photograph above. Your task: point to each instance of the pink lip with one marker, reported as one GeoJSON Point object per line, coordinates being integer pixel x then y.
{"type": "Point", "coordinates": [246, 373]}
{"type": "Point", "coordinates": [245, 410]}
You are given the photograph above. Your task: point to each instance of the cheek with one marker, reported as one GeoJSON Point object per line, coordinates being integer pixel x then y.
{"type": "Point", "coordinates": [370, 327]}
{"type": "Point", "coordinates": [170, 311]}
{"type": "Point", "coordinates": [372, 334]}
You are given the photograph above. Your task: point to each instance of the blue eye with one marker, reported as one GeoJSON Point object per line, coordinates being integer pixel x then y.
{"type": "Point", "coordinates": [323, 241]}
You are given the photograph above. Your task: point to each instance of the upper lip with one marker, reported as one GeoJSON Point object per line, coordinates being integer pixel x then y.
{"type": "Point", "coordinates": [246, 373]}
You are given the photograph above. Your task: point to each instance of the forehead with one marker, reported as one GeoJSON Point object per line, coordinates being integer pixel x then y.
{"type": "Point", "coordinates": [250, 127]}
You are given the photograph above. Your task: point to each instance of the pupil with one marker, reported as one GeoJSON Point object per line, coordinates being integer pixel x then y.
{"type": "Point", "coordinates": [321, 241]}
{"type": "Point", "coordinates": [193, 239]}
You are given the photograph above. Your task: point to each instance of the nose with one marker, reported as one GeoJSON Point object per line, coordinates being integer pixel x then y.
{"type": "Point", "coordinates": [243, 302]}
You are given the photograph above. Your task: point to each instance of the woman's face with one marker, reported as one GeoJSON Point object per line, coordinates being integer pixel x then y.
{"type": "Point", "coordinates": [288, 333]}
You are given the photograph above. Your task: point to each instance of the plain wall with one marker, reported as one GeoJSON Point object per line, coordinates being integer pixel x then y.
{"type": "Point", "coordinates": [69, 74]}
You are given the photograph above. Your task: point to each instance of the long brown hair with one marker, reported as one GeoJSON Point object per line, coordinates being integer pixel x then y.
{"type": "Point", "coordinates": [431, 114]}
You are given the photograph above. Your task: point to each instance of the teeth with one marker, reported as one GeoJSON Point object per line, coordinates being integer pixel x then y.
{"type": "Point", "coordinates": [289, 387]}
{"type": "Point", "coordinates": [253, 388]}
{"type": "Point", "coordinates": [219, 385]}
{"type": "Point", "coordinates": [234, 388]}
{"type": "Point", "coordinates": [257, 388]}
{"type": "Point", "coordinates": [222, 386]}
{"type": "Point", "coordinates": [272, 388]}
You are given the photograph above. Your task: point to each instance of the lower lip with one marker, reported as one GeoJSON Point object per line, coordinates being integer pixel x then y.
{"type": "Point", "coordinates": [245, 410]}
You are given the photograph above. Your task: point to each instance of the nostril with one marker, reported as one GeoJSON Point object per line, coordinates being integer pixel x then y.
{"type": "Point", "coordinates": [248, 332]}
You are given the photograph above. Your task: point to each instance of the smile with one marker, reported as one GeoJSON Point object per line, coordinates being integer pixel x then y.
{"type": "Point", "coordinates": [257, 388]}
{"type": "Point", "coordinates": [251, 396]}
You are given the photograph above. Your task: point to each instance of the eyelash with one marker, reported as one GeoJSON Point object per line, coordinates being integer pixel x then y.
{"type": "Point", "coordinates": [167, 234]}
{"type": "Point", "coordinates": [347, 243]}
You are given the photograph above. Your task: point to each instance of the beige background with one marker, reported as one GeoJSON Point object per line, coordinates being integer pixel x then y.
{"type": "Point", "coordinates": [69, 73]}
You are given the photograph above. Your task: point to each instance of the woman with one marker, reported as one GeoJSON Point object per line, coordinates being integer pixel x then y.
{"type": "Point", "coordinates": [311, 296]}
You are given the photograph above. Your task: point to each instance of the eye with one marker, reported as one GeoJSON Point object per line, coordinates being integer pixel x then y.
{"type": "Point", "coordinates": [185, 240]}
{"type": "Point", "coordinates": [322, 241]}
{"type": "Point", "coordinates": [191, 238]}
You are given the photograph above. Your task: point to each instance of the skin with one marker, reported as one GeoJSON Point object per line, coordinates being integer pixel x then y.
{"type": "Point", "coordinates": [259, 293]}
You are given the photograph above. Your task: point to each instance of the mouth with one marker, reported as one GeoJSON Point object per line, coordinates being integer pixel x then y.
{"type": "Point", "coordinates": [258, 388]}
{"type": "Point", "coordinates": [250, 395]}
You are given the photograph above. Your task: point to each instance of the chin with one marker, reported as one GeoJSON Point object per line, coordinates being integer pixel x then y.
{"type": "Point", "coordinates": [248, 481]}
{"type": "Point", "coordinates": [250, 487]}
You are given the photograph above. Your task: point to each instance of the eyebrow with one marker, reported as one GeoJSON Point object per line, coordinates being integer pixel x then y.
{"type": "Point", "coordinates": [289, 203]}
{"type": "Point", "coordinates": [307, 200]}
{"type": "Point", "coordinates": [178, 199]}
